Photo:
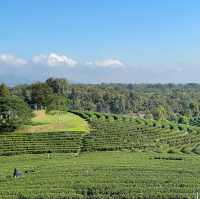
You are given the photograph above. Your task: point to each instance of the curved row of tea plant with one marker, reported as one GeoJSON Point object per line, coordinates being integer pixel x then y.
{"type": "Point", "coordinates": [115, 132]}
{"type": "Point", "coordinates": [195, 121]}
{"type": "Point", "coordinates": [19, 143]}
{"type": "Point", "coordinates": [89, 116]}
{"type": "Point", "coordinates": [94, 116]}
{"type": "Point", "coordinates": [120, 132]}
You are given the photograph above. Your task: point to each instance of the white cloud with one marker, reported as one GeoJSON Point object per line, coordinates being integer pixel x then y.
{"type": "Point", "coordinates": [10, 59]}
{"type": "Point", "coordinates": [54, 59]}
{"type": "Point", "coordinates": [112, 63]}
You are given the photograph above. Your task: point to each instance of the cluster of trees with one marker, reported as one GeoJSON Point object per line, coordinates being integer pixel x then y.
{"type": "Point", "coordinates": [157, 101]}
{"type": "Point", "coordinates": [14, 112]}
{"type": "Point", "coordinates": [16, 104]}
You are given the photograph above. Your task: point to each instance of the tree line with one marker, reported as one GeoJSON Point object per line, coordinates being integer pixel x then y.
{"type": "Point", "coordinates": [177, 102]}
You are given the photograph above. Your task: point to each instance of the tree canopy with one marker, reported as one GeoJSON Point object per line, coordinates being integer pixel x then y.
{"type": "Point", "coordinates": [59, 86]}
{"type": "Point", "coordinates": [56, 103]}
{"type": "Point", "coordinates": [39, 94]}
{"type": "Point", "coordinates": [14, 112]}
{"type": "Point", "coordinates": [4, 91]}
{"type": "Point", "coordinates": [162, 101]}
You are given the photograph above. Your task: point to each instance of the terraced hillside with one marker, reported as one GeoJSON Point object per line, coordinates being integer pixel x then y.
{"type": "Point", "coordinates": [107, 133]}
{"type": "Point", "coordinates": [22, 143]}
{"type": "Point", "coordinates": [47, 133]}
{"type": "Point", "coordinates": [118, 132]}
{"type": "Point", "coordinates": [120, 173]}
{"type": "Point", "coordinates": [119, 135]}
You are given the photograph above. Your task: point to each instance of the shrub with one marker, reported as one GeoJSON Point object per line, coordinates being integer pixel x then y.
{"type": "Point", "coordinates": [115, 117]}
{"type": "Point", "coordinates": [180, 128]}
{"type": "Point", "coordinates": [98, 115]}
{"type": "Point", "coordinates": [189, 130]}
{"type": "Point", "coordinates": [171, 126]}
{"type": "Point", "coordinates": [171, 151]}
{"type": "Point", "coordinates": [162, 126]}
{"type": "Point", "coordinates": [183, 120]}
{"type": "Point", "coordinates": [186, 150]}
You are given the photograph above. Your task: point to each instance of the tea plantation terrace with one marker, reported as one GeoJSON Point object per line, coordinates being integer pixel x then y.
{"type": "Point", "coordinates": [106, 134]}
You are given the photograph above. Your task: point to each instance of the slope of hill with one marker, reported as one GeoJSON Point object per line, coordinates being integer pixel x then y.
{"type": "Point", "coordinates": [119, 135]}
{"type": "Point", "coordinates": [107, 133]}
{"type": "Point", "coordinates": [167, 168]}
{"type": "Point", "coordinates": [115, 132]}
{"type": "Point", "coordinates": [46, 134]}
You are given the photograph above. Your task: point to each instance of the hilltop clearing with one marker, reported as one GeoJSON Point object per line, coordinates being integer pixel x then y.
{"type": "Point", "coordinates": [57, 122]}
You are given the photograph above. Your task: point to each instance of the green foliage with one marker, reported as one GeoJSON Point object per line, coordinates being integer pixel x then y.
{"type": "Point", "coordinates": [40, 93]}
{"type": "Point", "coordinates": [101, 175]}
{"type": "Point", "coordinates": [194, 108]}
{"type": "Point", "coordinates": [59, 86]}
{"type": "Point", "coordinates": [149, 116]}
{"type": "Point", "coordinates": [171, 126]}
{"type": "Point", "coordinates": [4, 91]}
{"type": "Point", "coordinates": [165, 101]}
{"type": "Point", "coordinates": [186, 149]}
{"type": "Point", "coordinates": [183, 119]}
{"type": "Point", "coordinates": [56, 103]}
{"type": "Point", "coordinates": [196, 149]}
{"type": "Point", "coordinates": [13, 113]}
{"type": "Point", "coordinates": [160, 113]}
{"type": "Point", "coordinates": [112, 175]}
{"type": "Point", "coordinates": [55, 121]}
{"type": "Point", "coordinates": [195, 121]}
{"type": "Point", "coordinates": [36, 143]}
{"type": "Point", "coordinates": [180, 127]}
{"type": "Point", "coordinates": [171, 151]}
{"type": "Point", "coordinates": [109, 135]}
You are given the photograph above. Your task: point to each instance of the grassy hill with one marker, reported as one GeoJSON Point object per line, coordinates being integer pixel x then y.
{"type": "Point", "coordinates": [43, 122]}
{"type": "Point", "coordinates": [53, 133]}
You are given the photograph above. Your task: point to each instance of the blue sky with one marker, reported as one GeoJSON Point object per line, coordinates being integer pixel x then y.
{"type": "Point", "coordinates": [100, 40]}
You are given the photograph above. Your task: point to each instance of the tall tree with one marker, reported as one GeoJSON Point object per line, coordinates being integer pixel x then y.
{"type": "Point", "coordinates": [39, 94]}
{"type": "Point", "coordinates": [56, 103]}
{"type": "Point", "coordinates": [59, 86]}
{"type": "Point", "coordinates": [4, 91]}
